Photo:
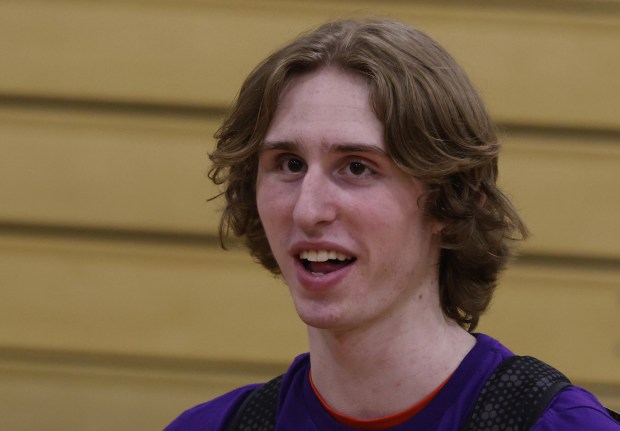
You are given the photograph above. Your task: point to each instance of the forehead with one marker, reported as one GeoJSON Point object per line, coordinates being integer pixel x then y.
{"type": "Point", "coordinates": [328, 83]}
{"type": "Point", "coordinates": [326, 104]}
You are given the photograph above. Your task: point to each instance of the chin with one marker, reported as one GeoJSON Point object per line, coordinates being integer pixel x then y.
{"type": "Point", "coordinates": [320, 323]}
{"type": "Point", "coordinates": [334, 320]}
{"type": "Point", "coordinates": [321, 318]}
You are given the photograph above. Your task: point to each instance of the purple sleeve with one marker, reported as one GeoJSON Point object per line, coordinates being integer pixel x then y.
{"type": "Point", "coordinates": [212, 415]}
{"type": "Point", "coordinates": [575, 409]}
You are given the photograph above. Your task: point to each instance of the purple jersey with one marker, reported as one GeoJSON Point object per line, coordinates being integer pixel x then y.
{"type": "Point", "coordinates": [300, 410]}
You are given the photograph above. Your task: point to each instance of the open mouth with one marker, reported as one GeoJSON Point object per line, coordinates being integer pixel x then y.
{"type": "Point", "coordinates": [322, 262]}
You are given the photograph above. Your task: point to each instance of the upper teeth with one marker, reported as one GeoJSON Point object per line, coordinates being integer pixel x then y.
{"type": "Point", "coordinates": [322, 255]}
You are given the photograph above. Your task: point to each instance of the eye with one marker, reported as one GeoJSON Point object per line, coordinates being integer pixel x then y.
{"type": "Point", "coordinates": [290, 164]}
{"type": "Point", "coordinates": [358, 169]}
{"type": "Point", "coordinates": [295, 165]}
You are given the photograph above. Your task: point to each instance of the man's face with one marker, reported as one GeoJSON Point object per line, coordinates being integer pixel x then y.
{"type": "Point", "coordinates": [341, 218]}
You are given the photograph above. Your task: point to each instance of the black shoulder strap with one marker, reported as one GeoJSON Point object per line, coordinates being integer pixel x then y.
{"type": "Point", "coordinates": [258, 410]}
{"type": "Point", "coordinates": [515, 395]}
{"type": "Point", "coordinates": [614, 414]}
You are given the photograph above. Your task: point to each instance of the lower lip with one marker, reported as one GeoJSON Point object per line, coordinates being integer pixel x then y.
{"type": "Point", "coordinates": [320, 283]}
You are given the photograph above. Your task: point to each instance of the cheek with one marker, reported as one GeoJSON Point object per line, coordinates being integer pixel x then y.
{"type": "Point", "coordinates": [263, 193]}
{"type": "Point", "coordinates": [393, 213]}
{"type": "Point", "coordinates": [260, 203]}
{"type": "Point", "coordinates": [271, 205]}
{"type": "Point", "coordinates": [399, 228]}
{"type": "Point", "coordinates": [265, 211]}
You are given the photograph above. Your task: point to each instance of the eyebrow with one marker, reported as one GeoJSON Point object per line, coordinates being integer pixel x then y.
{"type": "Point", "coordinates": [336, 148]}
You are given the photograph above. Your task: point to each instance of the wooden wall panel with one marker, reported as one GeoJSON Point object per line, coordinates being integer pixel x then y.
{"type": "Point", "coordinates": [193, 302]}
{"type": "Point", "coordinates": [118, 311]}
{"type": "Point", "coordinates": [106, 170]}
{"type": "Point", "coordinates": [534, 64]}
{"type": "Point", "coordinates": [184, 301]}
{"type": "Point", "coordinates": [112, 171]}
{"type": "Point", "coordinates": [128, 334]}
{"type": "Point", "coordinates": [89, 397]}
{"type": "Point", "coordinates": [566, 315]}
{"type": "Point", "coordinates": [567, 187]}
{"type": "Point", "coordinates": [56, 395]}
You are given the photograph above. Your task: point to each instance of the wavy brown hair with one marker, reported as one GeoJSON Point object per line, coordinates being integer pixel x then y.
{"type": "Point", "coordinates": [436, 129]}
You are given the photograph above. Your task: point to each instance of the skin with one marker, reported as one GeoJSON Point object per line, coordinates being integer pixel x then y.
{"type": "Point", "coordinates": [379, 341]}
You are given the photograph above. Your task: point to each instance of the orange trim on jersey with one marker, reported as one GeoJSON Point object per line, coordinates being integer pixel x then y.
{"type": "Point", "coordinates": [379, 423]}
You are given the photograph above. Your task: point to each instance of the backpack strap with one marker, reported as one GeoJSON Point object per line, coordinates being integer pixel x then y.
{"type": "Point", "coordinates": [614, 414]}
{"type": "Point", "coordinates": [515, 395]}
{"type": "Point", "coordinates": [258, 411]}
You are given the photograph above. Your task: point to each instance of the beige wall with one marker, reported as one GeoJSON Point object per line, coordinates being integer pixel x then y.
{"type": "Point", "coordinates": [117, 308]}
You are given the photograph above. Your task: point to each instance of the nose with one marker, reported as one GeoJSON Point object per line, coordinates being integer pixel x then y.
{"type": "Point", "coordinates": [316, 204]}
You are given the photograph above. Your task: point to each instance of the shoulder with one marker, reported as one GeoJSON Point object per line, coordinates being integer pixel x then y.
{"type": "Point", "coordinates": [215, 414]}
{"type": "Point", "coordinates": [488, 345]}
{"type": "Point", "coordinates": [574, 409]}
{"type": "Point", "coordinates": [211, 415]}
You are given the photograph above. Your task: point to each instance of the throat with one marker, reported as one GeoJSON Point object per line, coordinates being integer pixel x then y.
{"type": "Point", "coordinates": [382, 422]}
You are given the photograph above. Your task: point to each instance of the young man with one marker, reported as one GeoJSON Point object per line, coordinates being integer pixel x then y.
{"type": "Point", "coordinates": [359, 164]}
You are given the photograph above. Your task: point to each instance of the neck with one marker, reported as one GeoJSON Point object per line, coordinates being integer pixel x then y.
{"type": "Point", "coordinates": [390, 365]}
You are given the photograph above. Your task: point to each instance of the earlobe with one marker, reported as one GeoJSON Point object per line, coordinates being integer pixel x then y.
{"type": "Point", "coordinates": [482, 198]}
{"type": "Point", "coordinates": [437, 227]}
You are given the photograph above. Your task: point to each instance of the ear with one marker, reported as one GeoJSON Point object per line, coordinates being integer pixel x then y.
{"type": "Point", "coordinates": [481, 198]}
{"type": "Point", "coordinates": [437, 226]}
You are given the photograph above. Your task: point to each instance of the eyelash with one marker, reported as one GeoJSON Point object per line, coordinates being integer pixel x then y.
{"type": "Point", "coordinates": [367, 169]}
{"type": "Point", "coordinates": [282, 163]}
{"type": "Point", "coordinates": [283, 160]}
